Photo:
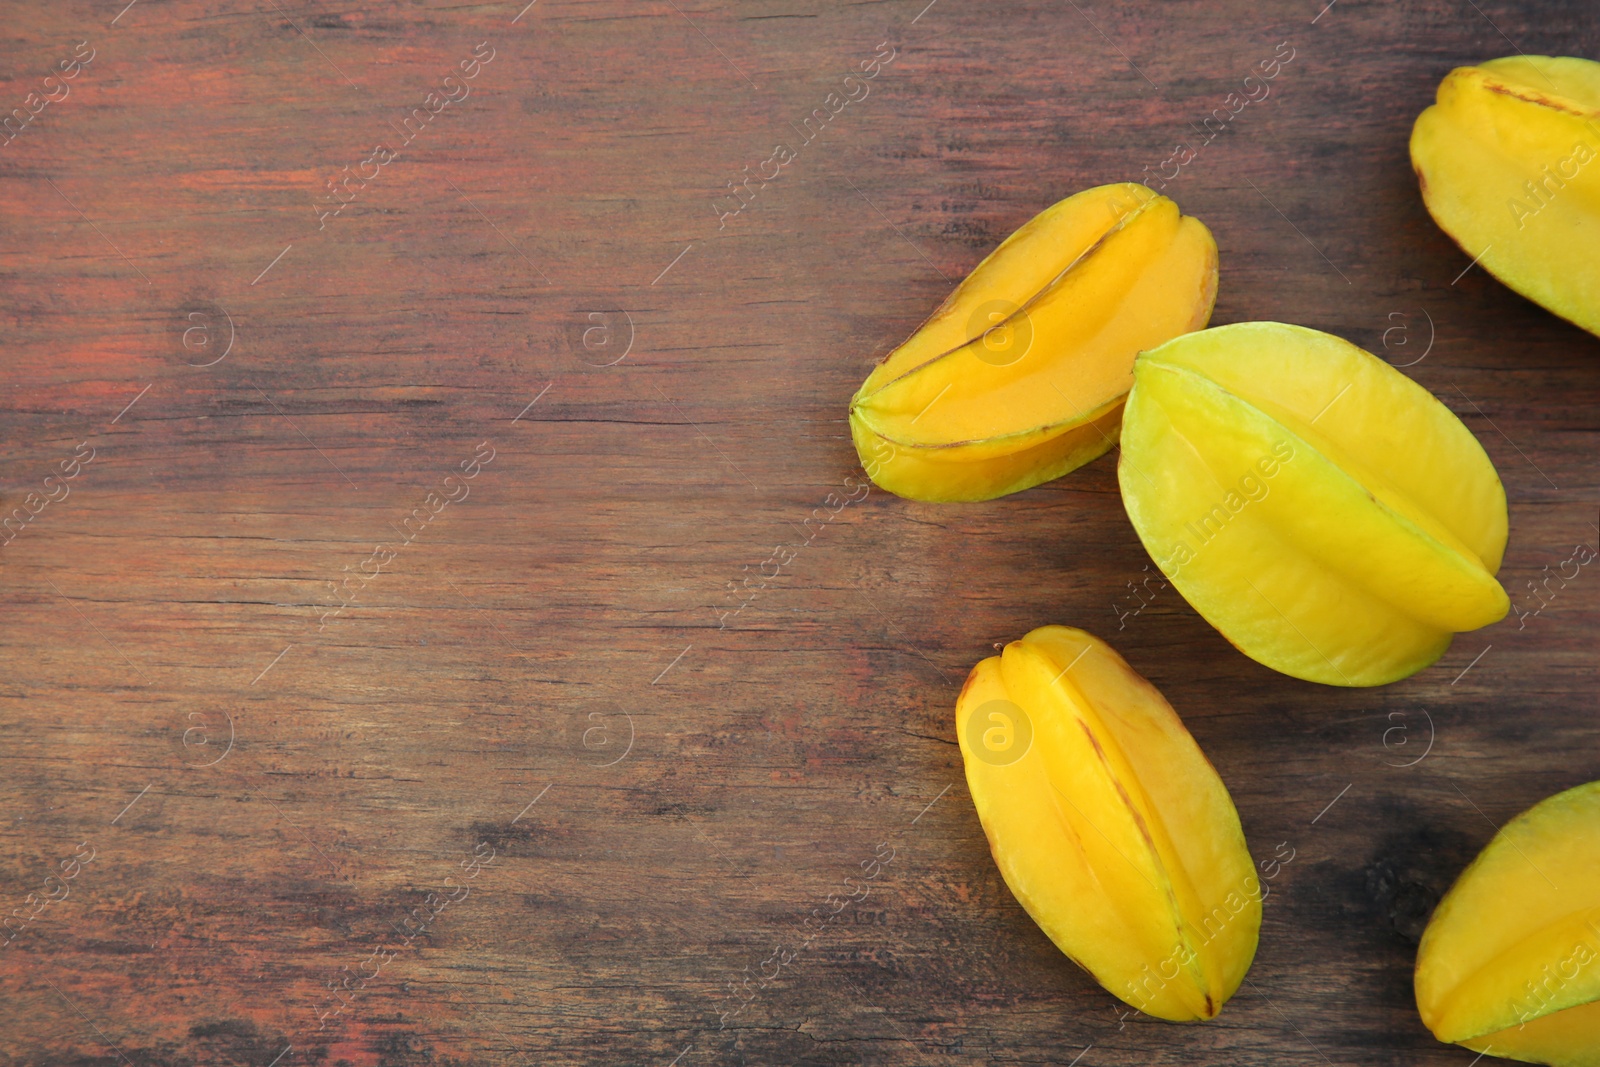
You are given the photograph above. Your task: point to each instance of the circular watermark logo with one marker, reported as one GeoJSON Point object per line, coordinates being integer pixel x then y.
{"type": "Point", "coordinates": [999, 733]}
{"type": "Point", "coordinates": [1001, 331]}
{"type": "Point", "coordinates": [207, 738]}
{"type": "Point", "coordinates": [1398, 342]}
{"type": "Point", "coordinates": [605, 734]}
{"type": "Point", "coordinates": [601, 338]}
{"type": "Point", "coordinates": [1398, 736]}
{"type": "Point", "coordinates": [205, 334]}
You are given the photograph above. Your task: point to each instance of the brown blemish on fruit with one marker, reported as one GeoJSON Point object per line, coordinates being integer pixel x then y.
{"type": "Point", "coordinates": [1150, 843]}
{"type": "Point", "coordinates": [1531, 97]}
{"type": "Point", "coordinates": [1133, 809]}
{"type": "Point", "coordinates": [972, 677]}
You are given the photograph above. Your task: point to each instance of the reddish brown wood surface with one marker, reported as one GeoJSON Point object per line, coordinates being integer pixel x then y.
{"type": "Point", "coordinates": [547, 666]}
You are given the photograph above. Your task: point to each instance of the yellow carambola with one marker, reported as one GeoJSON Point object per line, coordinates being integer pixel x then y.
{"type": "Point", "coordinates": [1108, 823]}
{"type": "Point", "coordinates": [1327, 514]}
{"type": "Point", "coordinates": [1510, 961]}
{"type": "Point", "coordinates": [1020, 375]}
{"type": "Point", "coordinates": [1507, 162]}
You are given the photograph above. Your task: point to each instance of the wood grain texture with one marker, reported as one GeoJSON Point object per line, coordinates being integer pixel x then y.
{"type": "Point", "coordinates": [279, 798]}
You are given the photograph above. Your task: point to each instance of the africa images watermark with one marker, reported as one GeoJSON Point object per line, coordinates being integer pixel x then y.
{"type": "Point", "coordinates": [455, 89]}
{"type": "Point", "coordinates": [37, 903]}
{"type": "Point", "coordinates": [1217, 122]}
{"type": "Point", "coordinates": [33, 104]}
{"type": "Point", "coordinates": [350, 984]}
{"type": "Point", "coordinates": [434, 502]}
{"type": "Point", "coordinates": [1211, 925]}
{"type": "Point", "coordinates": [751, 586]}
{"type": "Point", "coordinates": [1582, 556]}
{"type": "Point", "coordinates": [741, 191]}
{"type": "Point", "coordinates": [1137, 597]}
{"type": "Point", "coordinates": [1250, 489]}
{"type": "Point", "coordinates": [813, 925]}
{"type": "Point", "coordinates": [1542, 995]}
{"type": "Point", "coordinates": [14, 523]}
{"type": "Point", "coordinates": [1543, 191]}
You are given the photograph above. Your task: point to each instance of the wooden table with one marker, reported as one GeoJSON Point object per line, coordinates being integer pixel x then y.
{"type": "Point", "coordinates": [406, 651]}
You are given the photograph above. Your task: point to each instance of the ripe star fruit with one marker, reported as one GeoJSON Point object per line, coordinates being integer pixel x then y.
{"type": "Point", "coordinates": [1507, 161]}
{"type": "Point", "coordinates": [1109, 824]}
{"type": "Point", "coordinates": [1020, 375]}
{"type": "Point", "coordinates": [1323, 511]}
{"type": "Point", "coordinates": [1510, 961]}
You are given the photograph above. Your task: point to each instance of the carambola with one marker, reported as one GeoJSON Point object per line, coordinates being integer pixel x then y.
{"type": "Point", "coordinates": [1020, 375]}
